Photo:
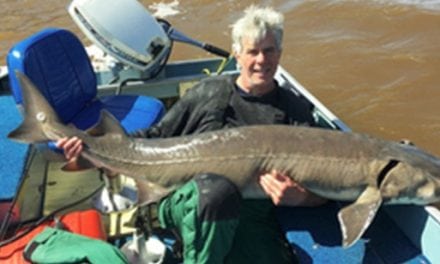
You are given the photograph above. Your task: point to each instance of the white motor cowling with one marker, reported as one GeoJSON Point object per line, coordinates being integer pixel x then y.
{"type": "Point", "coordinates": [124, 29]}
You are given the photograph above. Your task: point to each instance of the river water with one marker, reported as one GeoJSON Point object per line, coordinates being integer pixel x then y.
{"type": "Point", "coordinates": [374, 63]}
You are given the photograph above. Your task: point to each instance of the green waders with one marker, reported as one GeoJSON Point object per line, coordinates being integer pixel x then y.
{"type": "Point", "coordinates": [205, 211]}
{"type": "Point", "coordinates": [258, 238]}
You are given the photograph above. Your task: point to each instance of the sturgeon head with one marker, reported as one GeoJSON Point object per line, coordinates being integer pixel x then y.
{"type": "Point", "coordinates": [414, 179]}
{"type": "Point", "coordinates": [411, 176]}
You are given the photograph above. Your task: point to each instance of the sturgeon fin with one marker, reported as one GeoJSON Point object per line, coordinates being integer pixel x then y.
{"type": "Point", "coordinates": [149, 192]}
{"type": "Point", "coordinates": [79, 164]}
{"type": "Point", "coordinates": [27, 133]}
{"type": "Point", "coordinates": [107, 124]}
{"type": "Point", "coordinates": [354, 219]}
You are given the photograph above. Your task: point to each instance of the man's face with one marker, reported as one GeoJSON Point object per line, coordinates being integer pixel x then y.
{"type": "Point", "coordinates": [258, 63]}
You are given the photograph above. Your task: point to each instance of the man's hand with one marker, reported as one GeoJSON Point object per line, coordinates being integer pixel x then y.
{"type": "Point", "coordinates": [284, 191]}
{"type": "Point", "coordinates": [72, 147]}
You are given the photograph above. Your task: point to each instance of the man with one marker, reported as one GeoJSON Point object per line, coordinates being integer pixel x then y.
{"type": "Point", "coordinates": [215, 225]}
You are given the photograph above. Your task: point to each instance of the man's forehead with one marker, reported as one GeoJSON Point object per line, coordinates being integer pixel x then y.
{"type": "Point", "coordinates": [266, 42]}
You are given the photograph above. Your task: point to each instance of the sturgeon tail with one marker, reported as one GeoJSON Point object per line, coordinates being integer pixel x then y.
{"type": "Point", "coordinates": [37, 114]}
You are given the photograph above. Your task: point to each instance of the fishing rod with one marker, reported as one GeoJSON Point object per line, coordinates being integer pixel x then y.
{"type": "Point", "coordinates": [179, 36]}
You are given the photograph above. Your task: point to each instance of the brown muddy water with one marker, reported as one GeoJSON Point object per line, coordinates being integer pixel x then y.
{"type": "Point", "coordinates": [374, 63]}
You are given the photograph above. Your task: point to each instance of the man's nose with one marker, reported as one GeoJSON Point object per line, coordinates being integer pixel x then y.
{"type": "Point", "coordinates": [261, 57]}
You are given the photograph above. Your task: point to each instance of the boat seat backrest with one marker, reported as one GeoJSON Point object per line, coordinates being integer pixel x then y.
{"type": "Point", "coordinates": [56, 61]}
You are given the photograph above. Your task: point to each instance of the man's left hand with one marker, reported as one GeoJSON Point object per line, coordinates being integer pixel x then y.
{"type": "Point", "coordinates": [284, 191]}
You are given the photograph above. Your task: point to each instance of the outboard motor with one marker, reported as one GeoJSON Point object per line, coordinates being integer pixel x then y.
{"type": "Point", "coordinates": [125, 30]}
{"type": "Point", "coordinates": [128, 32]}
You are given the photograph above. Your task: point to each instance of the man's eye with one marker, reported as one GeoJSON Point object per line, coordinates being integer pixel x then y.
{"type": "Point", "coordinates": [269, 51]}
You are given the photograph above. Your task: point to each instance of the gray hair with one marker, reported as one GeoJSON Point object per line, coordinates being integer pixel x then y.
{"type": "Point", "coordinates": [256, 23]}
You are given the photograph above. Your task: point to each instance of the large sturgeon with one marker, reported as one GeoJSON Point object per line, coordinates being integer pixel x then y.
{"type": "Point", "coordinates": [335, 165]}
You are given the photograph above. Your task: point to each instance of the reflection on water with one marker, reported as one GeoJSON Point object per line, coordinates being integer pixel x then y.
{"type": "Point", "coordinates": [373, 63]}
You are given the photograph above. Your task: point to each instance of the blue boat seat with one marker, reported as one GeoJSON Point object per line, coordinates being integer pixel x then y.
{"type": "Point", "coordinates": [56, 61]}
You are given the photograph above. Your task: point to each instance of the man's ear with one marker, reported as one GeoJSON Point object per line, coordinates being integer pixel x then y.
{"type": "Point", "coordinates": [237, 57]}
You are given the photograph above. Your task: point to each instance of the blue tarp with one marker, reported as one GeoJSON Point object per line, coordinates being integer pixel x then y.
{"type": "Point", "coordinates": [12, 154]}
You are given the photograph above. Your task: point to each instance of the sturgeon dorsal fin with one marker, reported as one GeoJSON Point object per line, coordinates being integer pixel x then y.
{"type": "Point", "coordinates": [354, 219]}
{"type": "Point", "coordinates": [107, 124]}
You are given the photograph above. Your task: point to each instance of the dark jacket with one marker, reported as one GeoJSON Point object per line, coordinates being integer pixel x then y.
{"type": "Point", "coordinates": [216, 103]}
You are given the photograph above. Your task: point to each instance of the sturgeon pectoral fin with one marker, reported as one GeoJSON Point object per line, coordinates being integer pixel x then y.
{"type": "Point", "coordinates": [27, 133]}
{"type": "Point", "coordinates": [149, 192]}
{"type": "Point", "coordinates": [79, 164]}
{"type": "Point", "coordinates": [355, 218]}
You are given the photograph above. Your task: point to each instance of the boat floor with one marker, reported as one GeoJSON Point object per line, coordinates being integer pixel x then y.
{"type": "Point", "coordinates": [315, 235]}
{"type": "Point", "coordinates": [47, 189]}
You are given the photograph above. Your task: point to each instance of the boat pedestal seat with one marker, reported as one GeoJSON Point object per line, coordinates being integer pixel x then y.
{"type": "Point", "coordinates": [57, 63]}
